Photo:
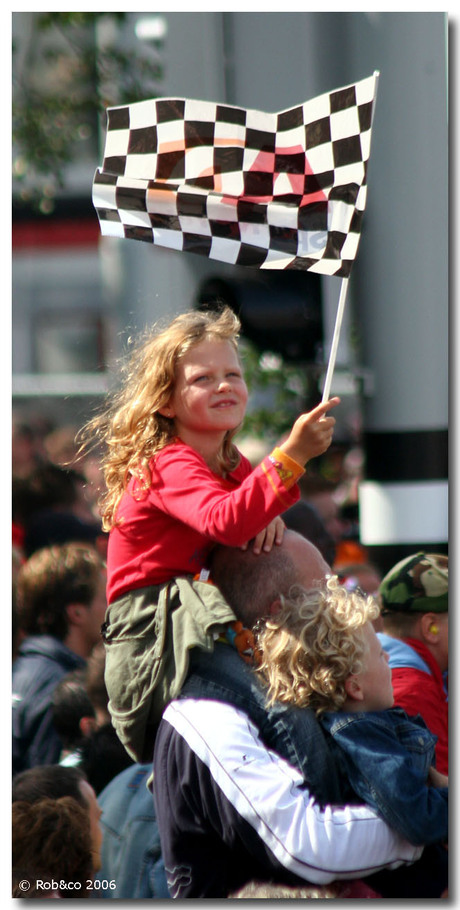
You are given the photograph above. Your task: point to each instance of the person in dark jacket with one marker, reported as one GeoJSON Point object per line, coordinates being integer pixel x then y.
{"type": "Point", "coordinates": [61, 605]}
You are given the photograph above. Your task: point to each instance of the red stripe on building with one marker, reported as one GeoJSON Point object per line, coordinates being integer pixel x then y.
{"type": "Point", "coordinates": [55, 233]}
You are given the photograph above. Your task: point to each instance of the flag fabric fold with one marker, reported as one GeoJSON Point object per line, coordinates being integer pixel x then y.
{"type": "Point", "coordinates": [285, 190]}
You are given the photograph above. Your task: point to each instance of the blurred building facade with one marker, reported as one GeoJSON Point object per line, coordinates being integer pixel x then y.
{"type": "Point", "coordinates": [77, 295]}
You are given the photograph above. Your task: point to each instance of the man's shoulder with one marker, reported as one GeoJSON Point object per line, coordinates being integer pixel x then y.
{"type": "Point", "coordinates": [45, 647]}
{"type": "Point", "coordinates": [42, 660]}
{"type": "Point", "coordinates": [210, 728]}
{"type": "Point", "coordinates": [209, 721]}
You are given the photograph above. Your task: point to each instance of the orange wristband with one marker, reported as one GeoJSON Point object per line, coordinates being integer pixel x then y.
{"type": "Point", "coordinates": [288, 469]}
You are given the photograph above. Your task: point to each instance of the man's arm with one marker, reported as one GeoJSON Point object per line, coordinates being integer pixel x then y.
{"type": "Point", "coordinates": [266, 793]}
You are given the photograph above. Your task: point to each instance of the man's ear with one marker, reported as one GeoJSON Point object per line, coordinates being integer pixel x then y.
{"type": "Point", "coordinates": [429, 627]}
{"type": "Point", "coordinates": [353, 688]}
{"type": "Point", "coordinates": [275, 607]}
{"type": "Point", "coordinates": [87, 725]}
{"type": "Point", "coordinates": [75, 614]}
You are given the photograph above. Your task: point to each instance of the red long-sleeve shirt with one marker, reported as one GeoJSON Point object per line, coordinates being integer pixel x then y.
{"type": "Point", "coordinates": [170, 529]}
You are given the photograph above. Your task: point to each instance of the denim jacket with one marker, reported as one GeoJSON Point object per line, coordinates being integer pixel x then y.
{"type": "Point", "coordinates": [294, 733]}
{"type": "Point", "coordinates": [386, 756]}
{"type": "Point", "coordinates": [131, 850]}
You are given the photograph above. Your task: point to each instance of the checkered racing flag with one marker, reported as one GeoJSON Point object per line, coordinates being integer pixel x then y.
{"type": "Point", "coordinates": [271, 191]}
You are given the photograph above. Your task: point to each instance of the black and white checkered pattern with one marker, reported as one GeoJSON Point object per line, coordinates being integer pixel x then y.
{"type": "Point", "coordinates": [271, 191]}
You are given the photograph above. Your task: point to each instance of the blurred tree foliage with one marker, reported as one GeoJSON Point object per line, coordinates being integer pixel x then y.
{"type": "Point", "coordinates": [279, 392]}
{"type": "Point", "coordinates": [67, 68]}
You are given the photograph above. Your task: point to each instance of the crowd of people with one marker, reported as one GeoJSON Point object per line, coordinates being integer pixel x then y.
{"type": "Point", "coordinates": [215, 692]}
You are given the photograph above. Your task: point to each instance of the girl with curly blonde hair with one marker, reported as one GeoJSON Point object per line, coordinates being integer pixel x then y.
{"type": "Point", "coordinates": [321, 651]}
{"type": "Point", "coordinates": [176, 485]}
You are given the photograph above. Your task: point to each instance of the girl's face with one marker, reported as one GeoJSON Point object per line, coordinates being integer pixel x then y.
{"type": "Point", "coordinates": [210, 393]}
{"type": "Point", "coordinates": [374, 682]}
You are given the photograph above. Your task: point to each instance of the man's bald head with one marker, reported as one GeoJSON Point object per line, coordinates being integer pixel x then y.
{"type": "Point", "coordinates": [252, 584]}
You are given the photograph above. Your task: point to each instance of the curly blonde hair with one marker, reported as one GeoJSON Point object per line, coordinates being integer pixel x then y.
{"type": "Point", "coordinates": [314, 644]}
{"type": "Point", "coordinates": [131, 429]}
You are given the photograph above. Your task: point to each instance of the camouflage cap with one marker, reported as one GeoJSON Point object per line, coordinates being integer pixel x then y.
{"type": "Point", "coordinates": [417, 584]}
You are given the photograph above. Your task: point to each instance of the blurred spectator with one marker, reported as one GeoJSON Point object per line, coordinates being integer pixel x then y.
{"type": "Point", "coordinates": [131, 850]}
{"type": "Point", "coordinates": [60, 445]}
{"type": "Point", "coordinates": [17, 634]}
{"type": "Point", "coordinates": [20, 502]}
{"type": "Point", "coordinates": [27, 450]}
{"type": "Point", "coordinates": [304, 519]}
{"type": "Point", "coordinates": [349, 516]}
{"type": "Point", "coordinates": [414, 608]}
{"type": "Point", "coordinates": [55, 781]}
{"type": "Point", "coordinates": [320, 494]}
{"type": "Point", "coordinates": [363, 575]}
{"type": "Point", "coordinates": [94, 481]}
{"type": "Point", "coordinates": [17, 559]}
{"type": "Point", "coordinates": [95, 684]}
{"type": "Point", "coordinates": [88, 737]}
{"type": "Point", "coordinates": [74, 717]}
{"type": "Point", "coordinates": [103, 756]}
{"type": "Point", "coordinates": [52, 837]}
{"type": "Point", "coordinates": [49, 507]}
{"type": "Point", "coordinates": [351, 475]}
{"type": "Point", "coordinates": [61, 604]}
{"type": "Point", "coordinates": [350, 551]}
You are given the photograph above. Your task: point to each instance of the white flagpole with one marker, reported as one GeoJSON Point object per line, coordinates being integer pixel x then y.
{"type": "Point", "coordinates": [342, 298]}
{"type": "Point", "coordinates": [335, 339]}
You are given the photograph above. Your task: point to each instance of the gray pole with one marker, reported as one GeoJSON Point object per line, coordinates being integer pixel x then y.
{"type": "Point", "coordinates": [402, 285]}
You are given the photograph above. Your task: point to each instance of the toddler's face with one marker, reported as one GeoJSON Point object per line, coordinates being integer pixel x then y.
{"type": "Point", "coordinates": [375, 679]}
